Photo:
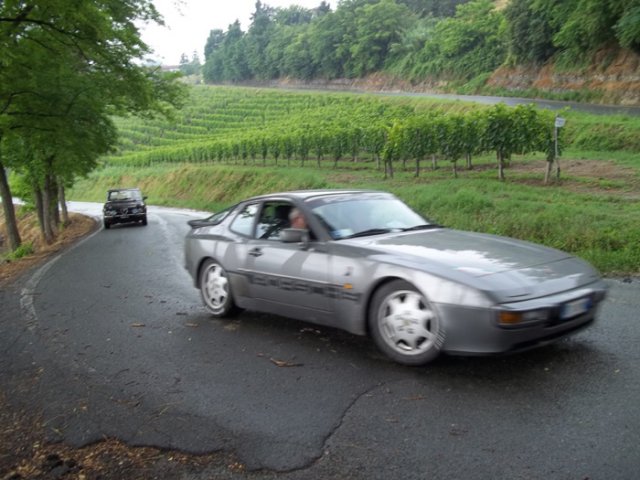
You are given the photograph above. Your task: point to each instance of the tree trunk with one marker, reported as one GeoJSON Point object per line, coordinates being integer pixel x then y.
{"type": "Point", "coordinates": [37, 196]}
{"type": "Point", "coordinates": [469, 165]}
{"type": "Point", "coordinates": [46, 215]}
{"type": "Point", "coordinates": [9, 211]}
{"type": "Point", "coordinates": [52, 185]}
{"type": "Point", "coordinates": [417, 167]}
{"type": "Point", "coordinates": [455, 170]}
{"type": "Point", "coordinates": [434, 162]}
{"type": "Point", "coordinates": [557, 169]}
{"type": "Point", "coordinates": [547, 174]}
{"type": "Point", "coordinates": [500, 166]}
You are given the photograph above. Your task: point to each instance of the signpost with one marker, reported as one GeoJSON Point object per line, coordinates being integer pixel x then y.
{"type": "Point", "coordinates": [560, 121]}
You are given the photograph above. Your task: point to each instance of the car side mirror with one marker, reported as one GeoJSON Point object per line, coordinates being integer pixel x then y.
{"type": "Point", "coordinates": [199, 222]}
{"type": "Point", "coordinates": [295, 235]}
{"type": "Point", "coordinates": [144, 198]}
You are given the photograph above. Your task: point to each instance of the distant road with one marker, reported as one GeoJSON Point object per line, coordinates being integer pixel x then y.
{"type": "Point", "coordinates": [511, 101]}
{"type": "Point", "coordinates": [549, 104]}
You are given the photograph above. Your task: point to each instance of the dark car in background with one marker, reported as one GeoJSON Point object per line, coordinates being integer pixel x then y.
{"type": "Point", "coordinates": [124, 205]}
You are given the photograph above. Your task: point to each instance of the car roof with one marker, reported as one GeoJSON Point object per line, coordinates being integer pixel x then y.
{"type": "Point", "coordinates": [123, 189]}
{"type": "Point", "coordinates": [305, 195]}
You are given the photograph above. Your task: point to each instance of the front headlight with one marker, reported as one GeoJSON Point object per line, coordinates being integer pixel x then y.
{"type": "Point", "coordinates": [514, 319]}
{"type": "Point", "coordinates": [445, 291]}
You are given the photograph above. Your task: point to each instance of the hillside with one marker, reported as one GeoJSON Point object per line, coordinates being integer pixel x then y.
{"type": "Point", "coordinates": [580, 50]}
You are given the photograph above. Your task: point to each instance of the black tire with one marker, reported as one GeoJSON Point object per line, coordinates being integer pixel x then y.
{"type": "Point", "coordinates": [144, 220]}
{"type": "Point", "coordinates": [107, 225]}
{"type": "Point", "coordinates": [215, 290]}
{"type": "Point", "coordinates": [404, 325]}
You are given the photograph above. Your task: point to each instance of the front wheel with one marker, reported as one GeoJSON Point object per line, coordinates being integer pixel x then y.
{"type": "Point", "coordinates": [216, 290]}
{"type": "Point", "coordinates": [404, 325]}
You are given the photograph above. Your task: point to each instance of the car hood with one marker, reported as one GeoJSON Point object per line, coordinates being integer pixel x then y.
{"type": "Point", "coordinates": [506, 267]}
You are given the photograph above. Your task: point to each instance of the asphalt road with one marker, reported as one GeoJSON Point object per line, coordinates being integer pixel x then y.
{"type": "Point", "coordinates": [110, 340]}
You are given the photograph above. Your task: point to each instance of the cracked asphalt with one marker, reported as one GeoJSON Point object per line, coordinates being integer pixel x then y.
{"type": "Point", "coordinates": [110, 340]}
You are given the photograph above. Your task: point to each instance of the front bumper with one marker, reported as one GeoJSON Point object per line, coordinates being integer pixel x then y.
{"type": "Point", "coordinates": [124, 217]}
{"type": "Point", "coordinates": [477, 331]}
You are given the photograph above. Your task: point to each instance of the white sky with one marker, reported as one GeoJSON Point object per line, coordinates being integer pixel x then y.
{"type": "Point", "coordinates": [188, 23]}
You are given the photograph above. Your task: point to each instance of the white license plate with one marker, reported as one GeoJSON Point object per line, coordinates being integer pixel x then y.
{"type": "Point", "coordinates": [575, 308]}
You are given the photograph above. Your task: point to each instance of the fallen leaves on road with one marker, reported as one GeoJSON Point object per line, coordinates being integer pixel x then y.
{"type": "Point", "coordinates": [138, 325]}
{"type": "Point", "coordinates": [284, 363]}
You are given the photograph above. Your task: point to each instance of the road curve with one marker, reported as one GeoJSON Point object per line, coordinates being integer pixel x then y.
{"type": "Point", "coordinates": [110, 340]}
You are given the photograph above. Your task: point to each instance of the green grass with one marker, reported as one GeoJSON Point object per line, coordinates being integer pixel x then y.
{"type": "Point", "coordinates": [23, 250]}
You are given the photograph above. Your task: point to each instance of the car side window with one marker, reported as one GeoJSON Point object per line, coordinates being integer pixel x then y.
{"type": "Point", "coordinates": [274, 217]}
{"type": "Point", "coordinates": [244, 221]}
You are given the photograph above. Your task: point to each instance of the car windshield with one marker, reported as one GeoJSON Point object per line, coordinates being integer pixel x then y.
{"type": "Point", "coordinates": [121, 195]}
{"type": "Point", "coordinates": [363, 214]}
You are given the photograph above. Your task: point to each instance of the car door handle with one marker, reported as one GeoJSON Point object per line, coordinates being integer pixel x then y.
{"type": "Point", "coordinates": [255, 252]}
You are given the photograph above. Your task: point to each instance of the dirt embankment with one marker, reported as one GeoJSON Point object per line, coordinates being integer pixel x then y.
{"type": "Point", "coordinates": [615, 74]}
{"type": "Point", "coordinates": [78, 227]}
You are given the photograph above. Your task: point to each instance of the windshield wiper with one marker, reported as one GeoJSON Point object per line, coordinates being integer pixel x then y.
{"type": "Point", "coordinates": [426, 226]}
{"type": "Point", "coordinates": [371, 231]}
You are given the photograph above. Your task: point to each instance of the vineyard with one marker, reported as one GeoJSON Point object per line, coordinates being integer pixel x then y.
{"type": "Point", "coordinates": [270, 127]}
{"type": "Point", "coordinates": [231, 143]}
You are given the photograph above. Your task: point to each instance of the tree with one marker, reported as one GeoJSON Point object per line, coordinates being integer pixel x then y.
{"type": "Point", "coordinates": [471, 43]}
{"type": "Point", "coordinates": [190, 66]}
{"type": "Point", "coordinates": [582, 26]}
{"type": "Point", "coordinates": [433, 8]}
{"type": "Point", "coordinates": [378, 26]}
{"type": "Point", "coordinates": [234, 55]}
{"type": "Point", "coordinates": [214, 42]}
{"type": "Point", "coordinates": [627, 27]}
{"type": "Point", "coordinates": [66, 68]}
{"type": "Point", "coordinates": [257, 40]}
{"type": "Point", "coordinates": [530, 33]}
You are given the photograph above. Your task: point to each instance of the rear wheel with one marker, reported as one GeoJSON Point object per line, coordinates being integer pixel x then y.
{"type": "Point", "coordinates": [144, 220]}
{"type": "Point", "coordinates": [215, 290]}
{"type": "Point", "coordinates": [107, 225]}
{"type": "Point", "coordinates": [404, 325]}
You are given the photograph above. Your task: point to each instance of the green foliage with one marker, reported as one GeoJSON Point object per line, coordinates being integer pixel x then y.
{"type": "Point", "coordinates": [466, 45]}
{"type": "Point", "coordinates": [23, 250]}
{"type": "Point", "coordinates": [627, 27]}
{"type": "Point", "coordinates": [529, 32]}
{"type": "Point", "coordinates": [456, 40]}
{"type": "Point", "coordinates": [580, 27]}
{"type": "Point", "coordinates": [190, 66]}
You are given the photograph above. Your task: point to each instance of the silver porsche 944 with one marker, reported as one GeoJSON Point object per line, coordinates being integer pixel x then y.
{"type": "Point", "coordinates": [365, 262]}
